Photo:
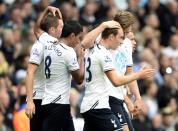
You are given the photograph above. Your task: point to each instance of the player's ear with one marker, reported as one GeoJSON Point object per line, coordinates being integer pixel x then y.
{"type": "Point", "coordinates": [51, 30]}
{"type": "Point", "coordinates": [111, 37]}
{"type": "Point", "coordinates": [72, 35]}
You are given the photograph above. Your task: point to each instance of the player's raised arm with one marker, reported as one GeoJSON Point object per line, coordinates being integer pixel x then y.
{"type": "Point", "coordinates": [37, 28]}
{"type": "Point", "coordinates": [90, 37]}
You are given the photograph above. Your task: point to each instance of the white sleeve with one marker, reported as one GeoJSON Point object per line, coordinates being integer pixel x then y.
{"type": "Point", "coordinates": [129, 56]}
{"type": "Point", "coordinates": [106, 61]}
{"type": "Point", "coordinates": [130, 60]}
{"type": "Point", "coordinates": [71, 59]}
{"type": "Point", "coordinates": [127, 47]}
{"type": "Point", "coordinates": [36, 55]}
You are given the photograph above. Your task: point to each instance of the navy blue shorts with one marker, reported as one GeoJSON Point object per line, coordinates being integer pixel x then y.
{"type": "Point", "coordinates": [57, 118]}
{"type": "Point", "coordinates": [101, 120]}
{"type": "Point", "coordinates": [37, 120]}
{"type": "Point", "coordinates": [117, 106]}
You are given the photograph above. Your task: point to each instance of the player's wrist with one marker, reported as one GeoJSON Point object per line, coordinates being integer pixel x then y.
{"type": "Point", "coordinates": [103, 26]}
{"type": "Point", "coordinates": [138, 98]}
{"type": "Point", "coordinates": [29, 99]}
{"type": "Point", "coordinates": [138, 75]}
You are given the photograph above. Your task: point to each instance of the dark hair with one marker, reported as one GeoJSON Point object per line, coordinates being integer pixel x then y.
{"type": "Point", "coordinates": [1, 2]}
{"type": "Point", "coordinates": [108, 31]}
{"type": "Point", "coordinates": [71, 27]}
{"type": "Point", "coordinates": [48, 22]}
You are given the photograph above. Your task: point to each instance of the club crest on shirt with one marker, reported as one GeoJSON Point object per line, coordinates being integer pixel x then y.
{"type": "Point", "coordinates": [74, 61]}
{"type": "Point", "coordinates": [120, 61]}
{"type": "Point", "coordinates": [107, 59]}
{"type": "Point", "coordinates": [114, 123]}
{"type": "Point", "coordinates": [36, 52]}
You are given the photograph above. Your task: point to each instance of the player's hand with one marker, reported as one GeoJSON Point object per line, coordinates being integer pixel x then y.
{"type": "Point", "coordinates": [55, 11]}
{"type": "Point", "coordinates": [139, 105]}
{"type": "Point", "coordinates": [111, 24]}
{"type": "Point", "coordinates": [30, 109]}
{"type": "Point", "coordinates": [130, 106]}
{"type": "Point", "coordinates": [79, 51]}
{"type": "Point", "coordinates": [146, 73]}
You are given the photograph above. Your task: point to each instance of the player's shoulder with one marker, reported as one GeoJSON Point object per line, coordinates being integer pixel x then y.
{"type": "Point", "coordinates": [126, 46]}
{"type": "Point", "coordinates": [37, 45]}
{"type": "Point", "coordinates": [46, 37]}
{"type": "Point", "coordinates": [100, 48]}
{"type": "Point", "coordinates": [97, 49]}
{"type": "Point", "coordinates": [67, 49]}
{"type": "Point", "coordinates": [100, 51]}
{"type": "Point", "coordinates": [65, 46]}
{"type": "Point", "coordinates": [127, 42]}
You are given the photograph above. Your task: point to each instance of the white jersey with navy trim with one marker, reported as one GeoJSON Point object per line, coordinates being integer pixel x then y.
{"type": "Point", "coordinates": [98, 60]}
{"type": "Point", "coordinates": [36, 57]}
{"type": "Point", "coordinates": [122, 59]}
{"type": "Point", "coordinates": [59, 60]}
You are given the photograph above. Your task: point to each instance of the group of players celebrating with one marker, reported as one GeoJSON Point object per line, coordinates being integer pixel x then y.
{"type": "Point", "coordinates": [101, 60]}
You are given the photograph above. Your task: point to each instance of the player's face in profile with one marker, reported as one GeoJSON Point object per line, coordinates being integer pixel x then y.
{"type": "Point", "coordinates": [79, 37]}
{"type": "Point", "coordinates": [118, 39]}
{"type": "Point", "coordinates": [58, 30]}
{"type": "Point", "coordinates": [131, 37]}
{"type": "Point", "coordinates": [76, 39]}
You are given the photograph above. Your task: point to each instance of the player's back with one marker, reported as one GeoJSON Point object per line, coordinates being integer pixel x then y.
{"type": "Point", "coordinates": [97, 61]}
{"type": "Point", "coordinates": [58, 63]}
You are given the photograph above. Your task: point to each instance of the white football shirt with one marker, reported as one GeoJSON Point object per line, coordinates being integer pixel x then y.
{"type": "Point", "coordinates": [59, 60]}
{"type": "Point", "coordinates": [122, 59]}
{"type": "Point", "coordinates": [98, 60]}
{"type": "Point", "coordinates": [36, 57]}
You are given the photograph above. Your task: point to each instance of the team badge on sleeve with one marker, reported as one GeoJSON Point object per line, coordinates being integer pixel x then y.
{"type": "Point", "coordinates": [36, 52]}
{"type": "Point", "coordinates": [107, 59]}
{"type": "Point", "coordinates": [74, 61]}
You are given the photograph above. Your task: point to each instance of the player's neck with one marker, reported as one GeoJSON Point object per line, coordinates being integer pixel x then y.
{"type": "Point", "coordinates": [105, 43]}
{"type": "Point", "coordinates": [66, 41]}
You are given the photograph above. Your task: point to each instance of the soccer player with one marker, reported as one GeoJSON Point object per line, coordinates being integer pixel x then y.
{"type": "Point", "coordinates": [35, 79]}
{"type": "Point", "coordinates": [60, 63]}
{"type": "Point", "coordinates": [123, 64]}
{"type": "Point", "coordinates": [99, 66]}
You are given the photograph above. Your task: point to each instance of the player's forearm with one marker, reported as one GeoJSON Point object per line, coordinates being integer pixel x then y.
{"type": "Point", "coordinates": [134, 89]}
{"type": "Point", "coordinates": [82, 69]}
{"type": "Point", "coordinates": [133, 85]}
{"type": "Point", "coordinates": [122, 80]}
{"type": "Point", "coordinates": [37, 27]}
{"type": "Point", "coordinates": [90, 37]}
{"type": "Point", "coordinates": [29, 86]}
{"type": "Point", "coordinates": [118, 80]}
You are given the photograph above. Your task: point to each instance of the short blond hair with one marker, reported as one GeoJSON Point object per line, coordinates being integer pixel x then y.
{"type": "Point", "coordinates": [125, 18]}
